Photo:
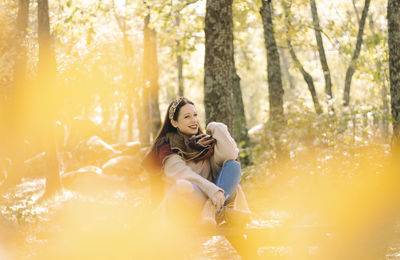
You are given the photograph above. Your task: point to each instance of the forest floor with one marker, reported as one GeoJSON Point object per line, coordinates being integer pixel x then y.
{"type": "Point", "coordinates": [104, 218]}
{"type": "Point", "coordinates": [80, 223]}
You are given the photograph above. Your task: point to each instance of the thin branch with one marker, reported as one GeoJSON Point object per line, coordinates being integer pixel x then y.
{"type": "Point", "coordinates": [356, 10]}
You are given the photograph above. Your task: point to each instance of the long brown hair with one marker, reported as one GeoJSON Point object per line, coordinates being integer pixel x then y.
{"type": "Point", "coordinates": [167, 126]}
{"type": "Point", "coordinates": [151, 162]}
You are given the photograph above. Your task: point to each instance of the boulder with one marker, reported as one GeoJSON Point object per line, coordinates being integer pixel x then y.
{"type": "Point", "coordinates": [124, 165]}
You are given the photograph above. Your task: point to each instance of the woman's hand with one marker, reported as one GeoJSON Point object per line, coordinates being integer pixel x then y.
{"type": "Point", "coordinates": [200, 142]}
{"type": "Point", "coordinates": [218, 199]}
{"type": "Point", "coordinates": [205, 140]}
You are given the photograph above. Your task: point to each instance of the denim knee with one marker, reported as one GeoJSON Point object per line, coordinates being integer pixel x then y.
{"type": "Point", "coordinates": [234, 165]}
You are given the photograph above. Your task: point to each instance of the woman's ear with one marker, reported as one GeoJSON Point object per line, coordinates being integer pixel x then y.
{"type": "Point", "coordinates": [174, 123]}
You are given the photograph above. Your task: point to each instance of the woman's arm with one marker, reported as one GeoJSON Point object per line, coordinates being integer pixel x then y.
{"type": "Point", "coordinates": [225, 148]}
{"type": "Point", "coordinates": [176, 168]}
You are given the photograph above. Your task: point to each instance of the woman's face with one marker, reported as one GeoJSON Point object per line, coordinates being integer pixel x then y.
{"type": "Point", "coordinates": [187, 122]}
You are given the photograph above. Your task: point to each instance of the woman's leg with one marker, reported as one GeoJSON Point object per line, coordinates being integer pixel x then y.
{"type": "Point", "coordinates": [185, 200]}
{"type": "Point", "coordinates": [228, 179]}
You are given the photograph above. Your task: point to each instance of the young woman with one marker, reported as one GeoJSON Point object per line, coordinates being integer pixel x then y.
{"type": "Point", "coordinates": [202, 168]}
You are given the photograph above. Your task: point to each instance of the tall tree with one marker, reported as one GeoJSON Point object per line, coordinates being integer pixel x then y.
{"type": "Point", "coordinates": [356, 53]}
{"type": "Point", "coordinates": [218, 65]}
{"type": "Point", "coordinates": [275, 87]}
{"type": "Point", "coordinates": [240, 125]}
{"type": "Point", "coordinates": [321, 51]}
{"type": "Point", "coordinates": [307, 76]}
{"type": "Point", "coordinates": [273, 64]}
{"type": "Point", "coordinates": [150, 76]}
{"type": "Point", "coordinates": [385, 110]}
{"type": "Point", "coordinates": [179, 61]}
{"type": "Point", "coordinates": [240, 131]}
{"type": "Point", "coordinates": [131, 83]}
{"type": "Point", "coordinates": [47, 96]}
{"type": "Point", "coordinates": [393, 14]}
{"type": "Point", "coordinates": [356, 10]}
{"type": "Point", "coordinates": [22, 24]}
{"type": "Point", "coordinates": [13, 143]}
{"type": "Point", "coordinates": [285, 66]}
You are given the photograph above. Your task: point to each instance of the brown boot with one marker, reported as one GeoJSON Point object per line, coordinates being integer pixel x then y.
{"type": "Point", "coordinates": [231, 216]}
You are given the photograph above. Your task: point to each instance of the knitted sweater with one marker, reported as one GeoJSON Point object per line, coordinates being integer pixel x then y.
{"type": "Point", "coordinates": [203, 172]}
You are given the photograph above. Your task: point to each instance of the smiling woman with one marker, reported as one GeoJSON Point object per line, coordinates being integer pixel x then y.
{"type": "Point", "coordinates": [187, 121]}
{"type": "Point", "coordinates": [201, 168]}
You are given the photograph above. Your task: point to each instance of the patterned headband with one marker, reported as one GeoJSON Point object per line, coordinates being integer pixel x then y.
{"type": "Point", "coordinates": [174, 106]}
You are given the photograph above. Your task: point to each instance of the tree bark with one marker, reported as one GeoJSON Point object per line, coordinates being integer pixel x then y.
{"type": "Point", "coordinates": [145, 116]}
{"type": "Point", "coordinates": [218, 66]}
{"type": "Point", "coordinates": [275, 87]}
{"type": "Point", "coordinates": [286, 67]}
{"type": "Point", "coordinates": [240, 124]}
{"type": "Point", "coordinates": [150, 76]}
{"type": "Point", "coordinates": [46, 52]}
{"type": "Point", "coordinates": [321, 51]}
{"type": "Point", "coordinates": [46, 111]}
{"type": "Point", "coordinates": [385, 111]}
{"type": "Point", "coordinates": [179, 61]}
{"type": "Point", "coordinates": [273, 64]}
{"type": "Point", "coordinates": [393, 14]}
{"type": "Point", "coordinates": [240, 131]}
{"type": "Point", "coordinates": [350, 69]}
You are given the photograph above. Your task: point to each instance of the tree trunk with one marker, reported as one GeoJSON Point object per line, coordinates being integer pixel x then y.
{"type": "Point", "coordinates": [321, 51]}
{"type": "Point", "coordinates": [140, 99]}
{"type": "Point", "coordinates": [240, 125]}
{"type": "Point", "coordinates": [240, 131]}
{"type": "Point", "coordinates": [350, 69]}
{"type": "Point", "coordinates": [218, 66]}
{"type": "Point", "coordinates": [131, 82]}
{"type": "Point", "coordinates": [307, 77]}
{"type": "Point", "coordinates": [47, 97]}
{"type": "Point", "coordinates": [385, 111]}
{"type": "Point", "coordinates": [179, 61]}
{"type": "Point", "coordinates": [286, 67]}
{"type": "Point", "coordinates": [356, 10]}
{"type": "Point", "coordinates": [393, 14]}
{"type": "Point", "coordinates": [150, 75]}
{"type": "Point", "coordinates": [145, 116]}
{"type": "Point", "coordinates": [13, 142]}
{"type": "Point", "coordinates": [275, 87]}
{"type": "Point", "coordinates": [20, 62]}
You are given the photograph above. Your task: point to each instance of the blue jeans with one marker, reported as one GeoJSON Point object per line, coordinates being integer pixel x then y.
{"type": "Point", "coordinates": [227, 179]}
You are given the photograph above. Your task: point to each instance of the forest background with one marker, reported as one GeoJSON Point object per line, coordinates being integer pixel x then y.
{"type": "Point", "coordinates": [303, 86]}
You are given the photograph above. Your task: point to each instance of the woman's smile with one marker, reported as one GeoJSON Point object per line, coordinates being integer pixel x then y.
{"type": "Point", "coordinates": [188, 122]}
